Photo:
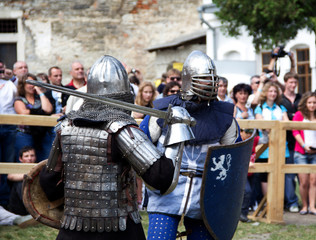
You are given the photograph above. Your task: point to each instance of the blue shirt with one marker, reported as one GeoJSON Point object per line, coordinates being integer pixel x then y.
{"type": "Point", "coordinates": [249, 111]}
{"type": "Point", "coordinates": [271, 113]}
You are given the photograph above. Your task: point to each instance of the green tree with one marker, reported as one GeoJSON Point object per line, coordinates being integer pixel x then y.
{"type": "Point", "coordinates": [269, 22]}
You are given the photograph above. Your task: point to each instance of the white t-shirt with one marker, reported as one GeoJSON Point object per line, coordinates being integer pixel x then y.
{"type": "Point", "coordinates": [7, 96]}
{"type": "Point", "coordinates": [309, 136]}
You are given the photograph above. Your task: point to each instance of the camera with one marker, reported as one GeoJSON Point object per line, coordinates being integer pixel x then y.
{"type": "Point", "coordinates": [1, 71]}
{"type": "Point", "coordinates": [281, 53]}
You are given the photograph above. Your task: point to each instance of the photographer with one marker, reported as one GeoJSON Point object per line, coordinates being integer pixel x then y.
{"type": "Point", "coordinates": [269, 74]}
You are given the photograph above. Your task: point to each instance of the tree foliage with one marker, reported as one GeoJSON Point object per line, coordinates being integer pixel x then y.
{"type": "Point", "coordinates": [269, 22]}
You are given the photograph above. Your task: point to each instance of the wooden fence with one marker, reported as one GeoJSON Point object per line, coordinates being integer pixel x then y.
{"type": "Point", "coordinates": [276, 167]}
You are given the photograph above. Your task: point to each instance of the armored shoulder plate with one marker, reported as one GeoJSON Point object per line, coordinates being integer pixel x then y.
{"type": "Point", "coordinates": [117, 125]}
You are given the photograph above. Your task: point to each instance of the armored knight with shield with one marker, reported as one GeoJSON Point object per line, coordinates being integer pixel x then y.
{"type": "Point", "coordinates": [95, 156]}
{"type": "Point", "coordinates": [215, 126]}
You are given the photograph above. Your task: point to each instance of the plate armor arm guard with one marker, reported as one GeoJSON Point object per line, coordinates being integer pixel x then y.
{"type": "Point", "coordinates": [142, 154]}
{"type": "Point", "coordinates": [135, 146]}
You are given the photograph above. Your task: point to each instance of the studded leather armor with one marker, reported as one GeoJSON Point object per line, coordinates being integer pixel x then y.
{"type": "Point", "coordinates": [99, 185]}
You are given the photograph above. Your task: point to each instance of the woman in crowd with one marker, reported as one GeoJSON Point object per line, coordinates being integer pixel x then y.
{"type": "Point", "coordinates": [145, 97]}
{"type": "Point", "coordinates": [305, 151]}
{"type": "Point", "coordinates": [171, 88]}
{"type": "Point", "coordinates": [269, 109]}
{"type": "Point", "coordinates": [31, 100]}
{"type": "Point", "coordinates": [241, 93]}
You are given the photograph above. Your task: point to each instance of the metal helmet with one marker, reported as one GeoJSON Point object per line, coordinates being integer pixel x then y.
{"type": "Point", "coordinates": [107, 76]}
{"type": "Point", "coordinates": [199, 77]}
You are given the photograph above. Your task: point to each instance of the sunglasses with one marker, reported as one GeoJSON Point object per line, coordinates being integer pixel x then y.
{"type": "Point", "coordinates": [174, 91]}
{"type": "Point", "coordinates": [257, 82]}
{"type": "Point", "coordinates": [175, 78]}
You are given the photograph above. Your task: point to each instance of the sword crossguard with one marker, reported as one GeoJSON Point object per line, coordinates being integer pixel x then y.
{"type": "Point", "coordinates": [171, 119]}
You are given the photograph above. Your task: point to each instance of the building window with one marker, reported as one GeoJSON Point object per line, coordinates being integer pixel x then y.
{"type": "Point", "coordinates": [8, 54]}
{"type": "Point", "coordinates": [266, 57]}
{"type": "Point", "coordinates": [303, 70]}
{"type": "Point", "coordinates": [8, 26]}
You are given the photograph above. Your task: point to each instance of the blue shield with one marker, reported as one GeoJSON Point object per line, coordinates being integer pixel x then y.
{"type": "Point", "coordinates": [224, 179]}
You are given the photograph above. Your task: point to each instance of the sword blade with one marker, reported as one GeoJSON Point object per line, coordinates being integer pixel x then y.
{"type": "Point", "coordinates": [108, 101]}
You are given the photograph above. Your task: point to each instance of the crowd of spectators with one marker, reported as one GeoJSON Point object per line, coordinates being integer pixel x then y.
{"type": "Point", "coordinates": [263, 98]}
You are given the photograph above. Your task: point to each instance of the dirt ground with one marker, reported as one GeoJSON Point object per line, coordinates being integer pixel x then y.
{"type": "Point", "coordinates": [296, 218]}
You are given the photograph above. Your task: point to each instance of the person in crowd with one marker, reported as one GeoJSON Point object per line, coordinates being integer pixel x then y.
{"type": "Point", "coordinates": [171, 88]}
{"type": "Point", "coordinates": [55, 76]}
{"type": "Point", "coordinates": [7, 132]}
{"type": "Point", "coordinates": [73, 103]}
{"type": "Point", "coordinates": [26, 155]}
{"type": "Point", "coordinates": [199, 97]}
{"type": "Point", "coordinates": [78, 76]}
{"type": "Point", "coordinates": [290, 100]}
{"type": "Point", "coordinates": [305, 151]}
{"type": "Point", "coordinates": [20, 68]}
{"type": "Point", "coordinates": [135, 82]}
{"type": "Point", "coordinates": [31, 100]}
{"type": "Point", "coordinates": [44, 78]}
{"type": "Point", "coordinates": [222, 90]}
{"type": "Point", "coordinates": [172, 75]}
{"type": "Point", "coordinates": [241, 93]}
{"type": "Point", "coordinates": [8, 218]}
{"type": "Point", "coordinates": [118, 149]}
{"type": "Point", "coordinates": [8, 74]}
{"type": "Point", "coordinates": [269, 109]}
{"type": "Point", "coordinates": [256, 83]}
{"type": "Point", "coordinates": [78, 79]}
{"type": "Point", "coordinates": [145, 97]}
{"type": "Point", "coordinates": [246, 204]}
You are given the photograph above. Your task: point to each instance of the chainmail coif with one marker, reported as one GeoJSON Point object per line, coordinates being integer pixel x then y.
{"type": "Point", "coordinates": [99, 112]}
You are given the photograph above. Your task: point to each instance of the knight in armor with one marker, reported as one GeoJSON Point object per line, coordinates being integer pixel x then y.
{"type": "Point", "coordinates": [95, 157]}
{"type": "Point", "coordinates": [215, 125]}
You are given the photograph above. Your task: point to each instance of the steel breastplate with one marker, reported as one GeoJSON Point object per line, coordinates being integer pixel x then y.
{"type": "Point", "coordinates": [99, 193]}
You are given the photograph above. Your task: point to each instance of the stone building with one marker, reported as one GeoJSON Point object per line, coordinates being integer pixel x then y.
{"type": "Point", "coordinates": [145, 34]}
{"type": "Point", "coordinates": [49, 32]}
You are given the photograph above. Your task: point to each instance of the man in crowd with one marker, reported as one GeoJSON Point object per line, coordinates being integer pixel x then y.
{"type": "Point", "coordinates": [55, 76]}
{"type": "Point", "coordinates": [290, 101]}
{"type": "Point", "coordinates": [172, 75]}
{"type": "Point", "coordinates": [78, 76]}
{"type": "Point", "coordinates": [20, 68]}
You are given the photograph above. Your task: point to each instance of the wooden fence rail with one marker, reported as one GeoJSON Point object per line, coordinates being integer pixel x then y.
{"type": "Point", "coordinates": [276, 166]}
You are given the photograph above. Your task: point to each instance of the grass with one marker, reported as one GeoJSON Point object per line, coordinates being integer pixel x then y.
{"type": "Point", "coordinates": [254, 231]}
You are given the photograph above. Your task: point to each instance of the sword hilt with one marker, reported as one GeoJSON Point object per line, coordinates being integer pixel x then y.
{"type": "Point", "coordinates": [170, 119]}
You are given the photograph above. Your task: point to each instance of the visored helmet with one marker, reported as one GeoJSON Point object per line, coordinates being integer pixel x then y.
{"type": "Point", "coordinates": [199, 77]}
{"type": "Point", "coordinates": [107, 76]}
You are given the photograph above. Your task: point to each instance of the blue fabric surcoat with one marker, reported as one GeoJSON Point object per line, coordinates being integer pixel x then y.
{"type": "Point", "coordinates": [213, 120]}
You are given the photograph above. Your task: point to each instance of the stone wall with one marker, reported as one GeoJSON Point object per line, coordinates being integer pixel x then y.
{"type": "Point", "coordinates": [59, 32]}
